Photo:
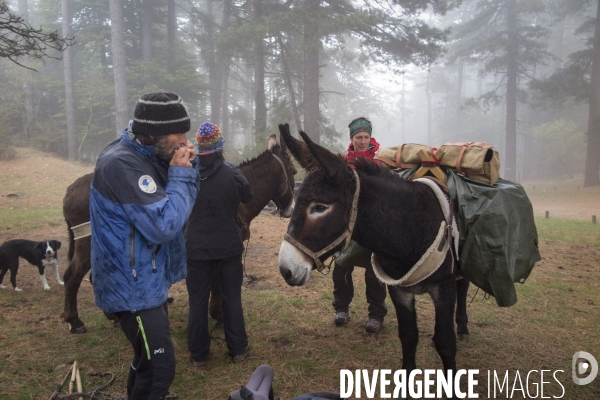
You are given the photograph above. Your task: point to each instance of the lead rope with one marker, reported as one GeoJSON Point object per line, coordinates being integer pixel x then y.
{"type": "Point", "coordinates": [473, 298]}
{"type": "Point", "coordinates": [246, 252]}
{"type": "Point", "coordinates": [57, 395]}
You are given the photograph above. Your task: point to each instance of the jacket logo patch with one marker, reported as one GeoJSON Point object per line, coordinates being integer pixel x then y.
{"type": "Point", "coordinates": [159, 351]}
{"type": "Point", "coordinates": [147, 184]}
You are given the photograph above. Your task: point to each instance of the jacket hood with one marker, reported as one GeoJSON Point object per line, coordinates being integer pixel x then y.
{"type": "Point", "coordinates": [210, 163]}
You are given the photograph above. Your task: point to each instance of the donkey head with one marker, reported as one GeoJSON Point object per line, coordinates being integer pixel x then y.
{"type": "Point", "coordinates": [285, 197]}
{"type": "Point", "coordinates": [322, 211]}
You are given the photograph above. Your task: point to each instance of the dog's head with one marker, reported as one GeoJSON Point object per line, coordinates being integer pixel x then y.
{"type": "Point", "coordinates": [49, 247]}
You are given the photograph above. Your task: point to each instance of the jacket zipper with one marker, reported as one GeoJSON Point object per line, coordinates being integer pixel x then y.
{"type": "Point", "coordinates": [154, 253]}
{"type": "Point", "coordinates": [132, 253]}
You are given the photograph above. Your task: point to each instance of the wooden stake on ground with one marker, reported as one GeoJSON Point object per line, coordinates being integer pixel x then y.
{"type": "Point", "coordinates": [73, 377]}
{"type": "Point", "coordinates": [547, 214]}
{"type": "Point", "coordinates": [593, 219]}
{"type": "Point", "coordinates": [79, 384]}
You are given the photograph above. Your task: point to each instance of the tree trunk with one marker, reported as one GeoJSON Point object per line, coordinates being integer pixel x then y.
{"type": "Point", "coordinates": [171, 36]}
{"type": "Point", "coordinates": [28, 86]}
{"type": "Point", "coordinates": [119, 65]}
{"type": "Point", "coordinates": [403, 111]}
{"type": "Point", "coordinates": [260, 99]}
{"type": "Point", "coordinates": [69, 84]}
{"type": "Point", "coordinates": [147, 30]}
{"type": "Point", "coordinates": [510, 148]}
{"type": "Point", "coordinates": [214, 74]}
{"type": "Point", "coordinates": [224, 65]}
{"type": "Point", "coordinates": [459, 90]}
{"type": "Point", "coordinates": [592, 154]}
{"type": "Point", "coordinates": [559, 44]}
{"type": "Point", "coordinates": [225, 111]}
{"type": "Point", "coordinates": [249, 106]}
{"type": "Point", "coordinates": [429, 110]}
{"type": "Point", "coordinates": [102, 54]}
{"type": "Point", "coordinates": [480, 80]}
{"type": "Point", "coordinates": [312, 45]}
{"type": "Point", "coordinates": [288, 80]}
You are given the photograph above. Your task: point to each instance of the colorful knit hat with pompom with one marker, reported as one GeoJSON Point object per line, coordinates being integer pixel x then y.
{"type": "Point", "coordinates": [209, 138]}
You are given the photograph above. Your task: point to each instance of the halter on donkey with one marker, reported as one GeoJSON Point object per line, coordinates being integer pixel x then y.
{"type": "Point", "coordinates": [396, 219]}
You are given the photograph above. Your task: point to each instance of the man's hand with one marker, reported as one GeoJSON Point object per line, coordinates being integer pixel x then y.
{"type": "Point", "coordinates": [183, 155]}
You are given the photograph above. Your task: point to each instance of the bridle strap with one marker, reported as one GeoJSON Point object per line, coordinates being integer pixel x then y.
{"type": "Point", "coordinates": [287, 185]}
{"type": "Point", "coordinates": [346, 235]}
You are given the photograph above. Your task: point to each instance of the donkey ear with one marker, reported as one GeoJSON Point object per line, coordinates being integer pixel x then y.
{"type": "Point", "coordinates": [296, 147]}
{"type": "Point", "coordinates": [271, 142]}
{"type": "Point", "coordinates": [333, 164]}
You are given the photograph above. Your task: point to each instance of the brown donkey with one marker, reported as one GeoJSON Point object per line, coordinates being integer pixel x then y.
{"type": "Point", "coordinates": [271, 176]}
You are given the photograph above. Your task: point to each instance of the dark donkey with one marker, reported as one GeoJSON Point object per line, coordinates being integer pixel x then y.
{"type": "Point", "coordinates": [271, 176]}
{"type": "Point", "coordinates": [398, 220]}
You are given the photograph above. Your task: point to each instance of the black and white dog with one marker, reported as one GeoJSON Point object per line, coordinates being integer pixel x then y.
{"type": "Point", "coordinates": [39, 254]}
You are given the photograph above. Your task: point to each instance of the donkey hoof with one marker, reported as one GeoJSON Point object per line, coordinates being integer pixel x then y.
{"type": "Point", "coordinates": [463, 336]}
{"type": "Point", "coordinates": [78, 330]}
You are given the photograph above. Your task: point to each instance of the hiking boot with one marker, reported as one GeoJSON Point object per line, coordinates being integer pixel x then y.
{"type": "Point", "coordinates": [341, 318]}
{"type": "Point", "coordinates": [199, 363]}
{"type": "Point", "coordinates": [241, 357]}
{"type": "Point", "coordinates": [373, 325]}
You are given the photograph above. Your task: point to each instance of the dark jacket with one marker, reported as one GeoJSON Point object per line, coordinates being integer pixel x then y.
{"type": "Point", "coordinates": [212, 232]}
{"type": "Point", "coordinates": [138, 207]}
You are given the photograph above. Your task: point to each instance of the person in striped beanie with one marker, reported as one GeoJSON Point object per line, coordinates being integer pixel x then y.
{"type": "Point", "coordinates": [143, 190]}
{"type": "Point", "coordinates": [161, 120]}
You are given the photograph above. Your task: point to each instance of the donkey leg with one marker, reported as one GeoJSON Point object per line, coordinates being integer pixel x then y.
{"type": "Point", "coordinates": [444, 338]}
{"type": "Point", "coordinates": [216, 301]}
{"type": "Point", "coordinates": [462, 319]}
{"type": "Point", "coordinates": [74, 274]}
{"type": "Point", "coordinates": [404, 303]}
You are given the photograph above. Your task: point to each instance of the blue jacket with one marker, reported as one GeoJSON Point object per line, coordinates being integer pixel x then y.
{"type": "Point", "coordinates": [138, 208]}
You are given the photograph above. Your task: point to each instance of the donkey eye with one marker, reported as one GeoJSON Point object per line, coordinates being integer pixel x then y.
{"type": "Point", "coordinates": [320, 208]}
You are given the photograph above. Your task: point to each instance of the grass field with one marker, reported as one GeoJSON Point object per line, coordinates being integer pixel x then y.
{"type": "Point", "coordinates": [291, 328]}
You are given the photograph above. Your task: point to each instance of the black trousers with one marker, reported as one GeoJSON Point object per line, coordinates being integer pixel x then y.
{"type": "Point", "coordinates": [198, 282]}
{"type": "Point", "coordinates": [343, 291]}
{"type": "Point", "coordinates": [153, 367]}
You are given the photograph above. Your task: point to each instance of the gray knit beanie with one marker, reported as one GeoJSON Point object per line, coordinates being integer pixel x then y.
{"type": "Point", "coordinates": [158, 114]}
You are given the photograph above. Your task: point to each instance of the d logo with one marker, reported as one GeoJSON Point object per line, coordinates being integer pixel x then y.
{"type": "Point", "coordinates": [584, 363]}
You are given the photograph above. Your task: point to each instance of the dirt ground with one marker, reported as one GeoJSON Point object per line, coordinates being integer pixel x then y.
{"type": "Point", "coordinates": [44, 185]}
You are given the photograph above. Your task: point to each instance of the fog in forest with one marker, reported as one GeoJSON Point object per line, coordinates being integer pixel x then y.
{"type": "Point", "coordinates": [517, 74]}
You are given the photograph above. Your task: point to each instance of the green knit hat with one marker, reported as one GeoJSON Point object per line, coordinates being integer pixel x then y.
{"type": "Point", "coordinates": [360, 125]}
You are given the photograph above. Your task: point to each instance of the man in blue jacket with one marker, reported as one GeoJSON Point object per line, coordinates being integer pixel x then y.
{"type": "Point", "coordinates": [143, 191]}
